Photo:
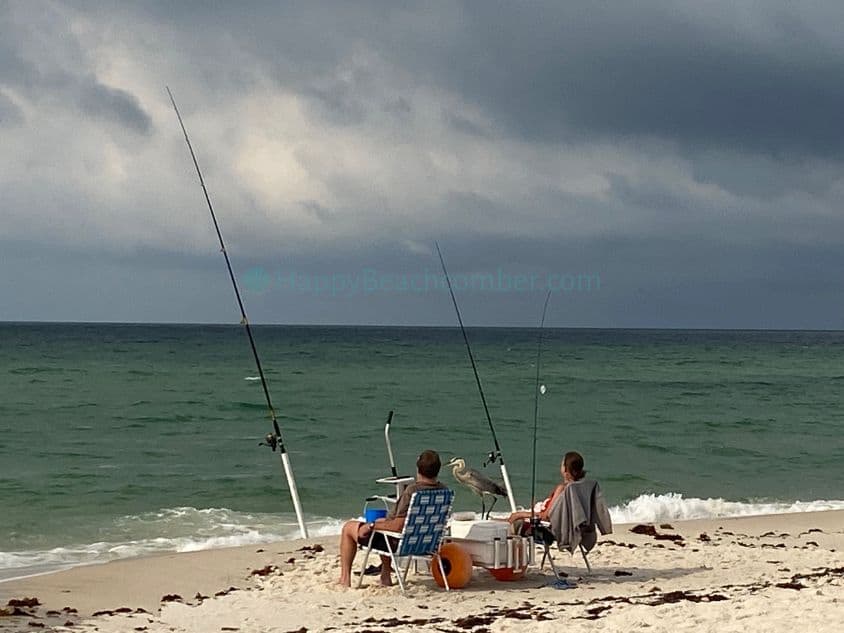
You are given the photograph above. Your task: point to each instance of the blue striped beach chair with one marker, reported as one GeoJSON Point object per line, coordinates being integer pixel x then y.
{"type": "Point", "coordinates": [421, 536]}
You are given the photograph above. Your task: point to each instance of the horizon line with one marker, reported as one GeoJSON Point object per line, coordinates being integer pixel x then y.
{"type": "Point", "coordinates": [417, 326]}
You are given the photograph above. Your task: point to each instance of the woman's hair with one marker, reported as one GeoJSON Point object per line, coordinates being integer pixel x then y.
{"type": "Point", "coordinates": [428, 464]}
{"type": "Point", "coordinates": [574, 465]}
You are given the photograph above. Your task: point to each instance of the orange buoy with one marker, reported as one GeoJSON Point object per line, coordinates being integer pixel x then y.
{"type": "Point", "coordinates": [457, 565]}
{"type": "Point", "coordinates": [506, 574]}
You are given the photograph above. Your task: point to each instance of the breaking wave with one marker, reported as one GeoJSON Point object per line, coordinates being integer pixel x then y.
{"type": "Point", "coordinates": [651, 508]}
{"type": "Point", "coordinates": [183, 529]}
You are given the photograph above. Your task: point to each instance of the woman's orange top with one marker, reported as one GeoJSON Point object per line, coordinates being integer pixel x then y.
{"type": "Point", "coordinates": [543, 506]}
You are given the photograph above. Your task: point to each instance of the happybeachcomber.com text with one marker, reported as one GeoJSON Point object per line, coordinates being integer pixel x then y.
{"type": "Point", "coordinates": [369, 281]}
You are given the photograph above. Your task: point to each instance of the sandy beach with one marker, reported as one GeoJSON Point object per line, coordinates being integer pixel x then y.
{"type": "Point", "coordinates": [766, 573]}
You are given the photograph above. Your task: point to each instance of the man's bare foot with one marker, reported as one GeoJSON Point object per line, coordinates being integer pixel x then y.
{"type": "Point", "coordinates": [386, 581]}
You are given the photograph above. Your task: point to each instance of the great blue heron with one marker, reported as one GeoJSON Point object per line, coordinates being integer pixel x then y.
{"type": "Point", "coordinates": [478, 483]}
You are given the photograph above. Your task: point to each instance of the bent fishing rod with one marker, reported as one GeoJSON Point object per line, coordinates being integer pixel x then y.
{"type": "Point", "coordinates": [539, 390]}
{"type": "Point", "coordinates": [273, 440]}
{"type": "Point", "coordinates": [494, 455]}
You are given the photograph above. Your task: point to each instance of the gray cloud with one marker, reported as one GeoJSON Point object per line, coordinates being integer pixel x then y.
{"type": "Point", "coordinates": [60, 73]}
{"type": "Point", "coordinates": [10, 114]}
{"type": "Point", "coordinates": [704, 75]}
{"type": "Point", "coordinates": [690, 155]}
{"type": "Point", "coordinates": [710, 76]}
{"type": "Point", "coordinates": [96, 99]}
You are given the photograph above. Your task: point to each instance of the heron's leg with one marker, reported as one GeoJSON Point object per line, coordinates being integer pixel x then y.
{"type": "Point", "coordinates": [494, 499]}
{"type": "Point", "coordinates": [483, 507]}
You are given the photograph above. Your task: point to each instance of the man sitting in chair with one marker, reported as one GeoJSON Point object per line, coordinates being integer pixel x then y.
{"type": "Point", "coordinates": [357, 533]}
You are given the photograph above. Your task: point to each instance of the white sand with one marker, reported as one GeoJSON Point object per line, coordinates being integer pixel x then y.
{"type": "Point", "coordinates": [725, 584]}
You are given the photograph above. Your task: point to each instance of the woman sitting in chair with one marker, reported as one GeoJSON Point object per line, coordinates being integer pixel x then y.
{"type": "Point", "coordinates": [571, 469]}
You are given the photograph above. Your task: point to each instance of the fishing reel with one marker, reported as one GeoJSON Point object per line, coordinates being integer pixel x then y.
{"type": "Point", "coordinates": [492, 457]}
{"type": "Point", "coordinates": [270, 440]}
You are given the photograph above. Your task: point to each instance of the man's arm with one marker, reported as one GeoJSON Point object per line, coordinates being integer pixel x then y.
{"type": "Point", "coordinates": [394, 524]}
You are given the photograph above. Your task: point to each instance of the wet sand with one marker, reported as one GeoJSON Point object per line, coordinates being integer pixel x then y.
{"type": "Point", "coordinates": [771, 573]}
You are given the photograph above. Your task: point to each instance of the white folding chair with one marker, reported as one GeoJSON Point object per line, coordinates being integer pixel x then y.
{"type": "Point", "coordinates": [420, 537]}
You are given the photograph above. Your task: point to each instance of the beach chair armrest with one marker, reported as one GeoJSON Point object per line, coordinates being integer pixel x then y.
{"type": "Point", "coordinates": [388, 533]}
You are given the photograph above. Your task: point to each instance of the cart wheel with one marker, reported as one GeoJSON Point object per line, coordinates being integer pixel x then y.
{"type": "Point", "coordinates": [457, 565]}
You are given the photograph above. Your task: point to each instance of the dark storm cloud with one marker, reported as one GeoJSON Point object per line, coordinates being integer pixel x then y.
{"type": "Point", "coordinates": [10, 114]}
{"type": "Point", "coordinates": [644, 282]}
{"type": "Point", "coordinates": [113, 104]}
{"type": "Point", "coordinates": [463, 125]}
{"type": "Point", "coordinates": [765, 177]}
{"type": "Point", "coordinates": [91, 98]}
{"type": "Point", "coordinates": [12, 67]}
{"type": "Point", "coordinates": [699, 75]}
{"type": "Point", "coordinates": [61, 77]}
{"type": "Point", "coordinates": [688, 154]}
{"type": "Point", "coordinates": [646, 69]}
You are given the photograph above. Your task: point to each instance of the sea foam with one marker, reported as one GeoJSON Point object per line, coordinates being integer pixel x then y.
{"type": "Point", "coordinates": [182, 529]}
{"type": "Point", "coordinates": [651, 508]}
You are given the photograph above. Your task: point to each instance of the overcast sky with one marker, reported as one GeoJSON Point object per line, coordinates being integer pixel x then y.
{"type": "Point", "coordinates": [658, 164]}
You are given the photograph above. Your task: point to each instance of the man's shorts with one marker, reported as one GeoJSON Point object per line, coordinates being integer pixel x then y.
{"type": "Point", "coordinates": [379, 542]}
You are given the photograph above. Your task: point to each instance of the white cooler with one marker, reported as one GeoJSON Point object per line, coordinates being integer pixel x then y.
{"type": "Point", "coordinates": [480, 530]}
{"type": "Point", "coordinates": [489, 543]}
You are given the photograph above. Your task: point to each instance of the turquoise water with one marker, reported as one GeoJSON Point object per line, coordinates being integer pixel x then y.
{"type": "Point", "coordinates": [124, 439]}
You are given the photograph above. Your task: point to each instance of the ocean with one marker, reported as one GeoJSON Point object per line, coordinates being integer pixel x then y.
{"type": "Point", "coordinates": [123, 440]}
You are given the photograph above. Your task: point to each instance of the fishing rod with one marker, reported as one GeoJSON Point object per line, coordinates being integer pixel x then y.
{"type": "Point", "coordinates": [495, 455]}
{"type": "Point", "coordinates": [539, 390]}
{"type": "Point", "coordinates": [273, 440]}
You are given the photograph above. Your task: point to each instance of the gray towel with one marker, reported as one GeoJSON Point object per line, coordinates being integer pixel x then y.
{"type": "Point", "coordinates": [576, 513]}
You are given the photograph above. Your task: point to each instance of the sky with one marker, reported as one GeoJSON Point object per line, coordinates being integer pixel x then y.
{"type": "Point", "coordinates": [652, 164]}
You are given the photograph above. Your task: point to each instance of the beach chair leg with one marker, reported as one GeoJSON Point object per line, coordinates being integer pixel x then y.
{"type": "Point", "coordinates": [365, 559]}
{"type": "Point", "coordinates": [406, 569]}
{"type": "Point", "coordinates": [586, 560]}
{"type": "Point", "coordinates": [396, 567]}
{"type": "Point", "coordinates": [442, 571]}
{"type": "Point", "coordinates": [550, 558]}
{"type": "Point", "coordinates": [544, 557]}
{"type": "Point", "coordinates": [399, 575]}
